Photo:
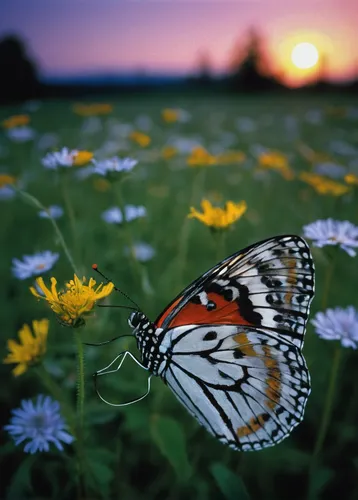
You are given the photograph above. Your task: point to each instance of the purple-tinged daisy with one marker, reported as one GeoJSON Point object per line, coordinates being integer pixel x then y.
{"type": "Point", "coordinates": [333, 232]}
{"type": "Point", "coordinates": [114, 165]}
{"type": "Point", "coordinates": [114, 215]}
{"type": "Point", "coordinates": [338, 324]}
{"type": "Point", "coordinates": [53, 211]}
{"type": "Point", "coordinates": [40, 424]}
{"type": "Point", "coordinates": [142, 251]}
{"type": "Point", "coordinates": [33, 265]}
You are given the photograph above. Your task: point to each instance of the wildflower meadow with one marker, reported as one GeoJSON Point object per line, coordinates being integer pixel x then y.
{"type": "Point", "coordinates": [110, 204]}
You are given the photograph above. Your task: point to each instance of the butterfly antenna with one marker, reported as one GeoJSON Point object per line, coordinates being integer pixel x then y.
{"type": "Point", "coordinates": [95, 268]}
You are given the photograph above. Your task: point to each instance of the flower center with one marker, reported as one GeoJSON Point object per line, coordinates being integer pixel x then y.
{"type": "Point", "coordinates": [39, 267]}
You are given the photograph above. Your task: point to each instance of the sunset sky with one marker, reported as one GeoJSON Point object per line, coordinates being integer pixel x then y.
{"type": "Point", "coordinates": [76, 36]}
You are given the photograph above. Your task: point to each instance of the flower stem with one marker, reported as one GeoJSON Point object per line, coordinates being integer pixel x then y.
{"type": "Point", "coordinates": [70, 211]}
{"type": "Point", "coordinates": [327, 411]}
{"type": "Point", "coordinates": [80, 409]}
{"type": "Point", "coordinates": [327, 284]}
{"type": "Point", "coordinates": [128, 236]}
{"type": "Point", "coordinates": [34, 201]}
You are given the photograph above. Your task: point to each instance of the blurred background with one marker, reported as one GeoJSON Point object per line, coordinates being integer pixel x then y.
{"type": "Point", "coordinates": [251, 102]}
{"type": "Point", "coordinates": [68, 48]}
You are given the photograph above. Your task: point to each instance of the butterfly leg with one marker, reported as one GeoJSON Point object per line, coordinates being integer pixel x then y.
{"type": "Point", "coordinates": [105, 371]}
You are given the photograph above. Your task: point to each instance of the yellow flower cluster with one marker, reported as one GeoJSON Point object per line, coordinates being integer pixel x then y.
{"type": "Point", "coordinates": [200, 157]}
{"type": "Point", "coordinates": [16, 121]}
{"type": "Point", "coordinates": [323, 185]}
{"type": "Point", "coordinates": [351, 179]}
{"type": "Point", "coordinates": [170, 115]}
{"type": "Point", "coordinates": [30, 348]}
{"type": "Point", "coordinates": [94, 109]}
{"type": "Point", "coordinates": [72, 304]}
{"type": "Point", "coordinates": [6, 180]}
{"type": "Point", "coordinates": [276, 161]}
{"type": "Point", "coordinates": [216, 217]}
{"type": "Point", "coordinates": [82, 158]}
{"type": "Point", "coordinates": [169, 152]}
{"type": "Point", "coordinates": [143, 140]}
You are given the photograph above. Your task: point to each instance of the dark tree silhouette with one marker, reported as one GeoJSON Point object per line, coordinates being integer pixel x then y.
{"type": "Point", "coordinates": [19, 78]}
{"type": "Point", "coordinates": [249, 71]}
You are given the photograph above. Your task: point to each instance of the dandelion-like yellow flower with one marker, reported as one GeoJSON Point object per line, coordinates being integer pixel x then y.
{"type": "Point", "coordinates": [216, 217]}
{"type": "Point", "coordinates": [170, 115]}
{"type": "Point", "coordinates": [16, 121]}
{"type": "Point", "coordinates": [169, 152]}
{"type": "Point", "coordinates": [143, 140]}
{"type": "Point", "coordinates": [6, 180]}
{"type": "Point", "coordinates": [276, 161]}
{"type": "Point", "coordinates": [323, 185]}
{"type": "Point", "coordinates": [200, 157]}
{"type": "Point", "coordinates": [76, 301]}
{"type": "Point", "coordinates": [30, 349]}
{"type": "Point", "coordinates": [92, 109]}
{"type": "Point", "coordinates": [349, 178]}
{"type": "Point", "coordinates": [81, 158]}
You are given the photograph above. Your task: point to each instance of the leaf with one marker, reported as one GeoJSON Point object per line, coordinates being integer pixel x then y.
{"type": "Point", "coordinates": [99, 471]}
{"type": "Point", "coordinates": [318, 481]}
{"type": "Point", "coordinates": [170, 439]}
{"type": "Point", "coordinates": [230, 485]}
{"type": "Point", "coordinates": [21, 481]}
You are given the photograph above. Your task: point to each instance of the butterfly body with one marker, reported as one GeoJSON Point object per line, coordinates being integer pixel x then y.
{"type": "Point", "coordinates": [229, 346]}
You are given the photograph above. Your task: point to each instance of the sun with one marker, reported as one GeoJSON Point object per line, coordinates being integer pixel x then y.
{"type": "Point", "coordinates": [304, 55]}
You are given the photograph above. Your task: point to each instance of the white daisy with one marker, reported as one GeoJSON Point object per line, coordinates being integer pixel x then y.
{"type": "Point", "coordinates": [338, 324]}
{"type": "Point", "coordinates": [33, 265]}
{"type": "Point", "coordinates": [114, 215]}
{"type": "Point", "coordinates": [330, 169]}
{"type": "Point", "coordinates": [54, 211]}
{"type": "Point", "coordinates": [6, 192]}
{"type": "Point", "coordinates": [333, 232]}
{"type": "Point", "coordinates": [114, 164]}
{"type": "Point", "coordinates": [63, 158]}
{"type": "Point", "coordinates": [142, 251]}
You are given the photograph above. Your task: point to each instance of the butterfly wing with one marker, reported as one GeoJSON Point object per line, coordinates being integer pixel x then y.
{"type": "Point", "coordinates": [269, 284]}
{"type": "Point", "coordinates": [246, 386]}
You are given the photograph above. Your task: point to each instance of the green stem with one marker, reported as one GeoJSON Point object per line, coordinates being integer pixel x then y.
{"type": "Point", "coordinates": [80, 410]}
{"type": "Point", "coordinates": [327, 411]}
{"type": "Point", "coordinates": [128, 236]}
{"type": "Point", "coordinates": [34, 201]}
{"type": "Point", "coordinates": [197, 187]}
{"type": "Point", "coordinates": [327, 284]}
{"type": "Point", "coordinates": [70, 211]}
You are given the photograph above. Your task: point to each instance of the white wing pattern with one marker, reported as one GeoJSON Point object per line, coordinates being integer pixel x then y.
{"type": "Point", "coordinates": [232, 344]}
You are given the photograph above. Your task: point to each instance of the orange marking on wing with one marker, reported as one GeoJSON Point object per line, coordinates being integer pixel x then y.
{"type": "Point", "coordinates": [291, 278]}
{"type": "Point", "coordinates": [167, 311]}
{"type": "Point", "coordinates": [245, 345]}
{"type": "Point", "coordinates": [273, 380]}
{"type": "Point", "coordinates": [255, 424]}
{"type": "Point", "coordinates": [197, 314]}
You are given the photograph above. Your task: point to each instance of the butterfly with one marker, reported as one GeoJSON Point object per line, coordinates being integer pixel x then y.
{"type": "Point", "coordinates": [229, 345]}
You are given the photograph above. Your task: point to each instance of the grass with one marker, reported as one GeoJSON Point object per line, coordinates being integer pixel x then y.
{"type": "Point", "coordinates": [155, 448]}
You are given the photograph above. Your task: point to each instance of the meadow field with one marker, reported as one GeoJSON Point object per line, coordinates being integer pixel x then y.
{"type": "Point", "coordinates": [293, 161]}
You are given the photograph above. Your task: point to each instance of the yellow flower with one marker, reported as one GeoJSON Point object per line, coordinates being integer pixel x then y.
{"type": "Point", "coordinates": [30, 348]}
{"type": "Point", "coordinates": [349, 178]}
{"type": "Point", "coordinates": [276, 161]}
{"type": "Point", "coordinates": [323, 185]}
{"type": "Point", "coordinates": [216, 217]}
{"type": "Point", "coordinates": [92, 109]}
{"type": "Point", "coordinates": [81, 158]}
{"type": "Point", "coordinates": [6, 179]}
{"type": "Point", "coordinates": [76, 301]}
{"type": "Point", "coordinates": [168, 152]}
{"type": "Point", "coordinates": [170, 115]}
{"type": "Point", "coordinates": [142, 139]}
{"type": "Point", "coordinates": [230, 157]}
{"type": "Point", "coordinates": [200, 157]}
{"type": "Point", "coordinates": [16, 121]}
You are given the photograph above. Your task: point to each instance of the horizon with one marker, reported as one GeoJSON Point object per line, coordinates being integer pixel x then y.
{"type": "Point", "coordinates": [71, 39]}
